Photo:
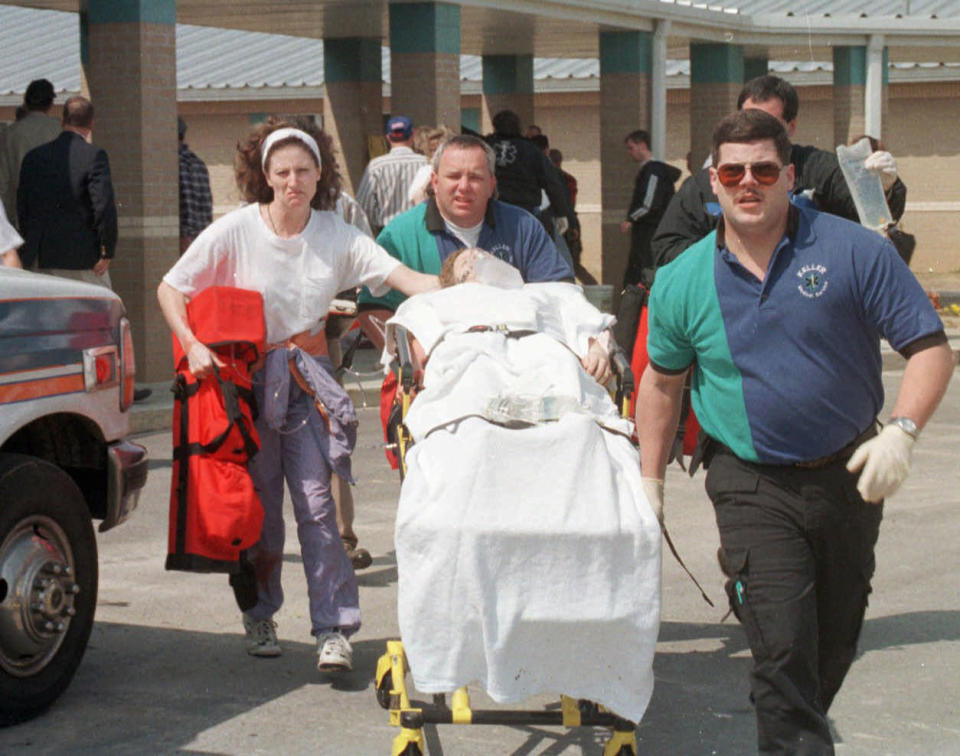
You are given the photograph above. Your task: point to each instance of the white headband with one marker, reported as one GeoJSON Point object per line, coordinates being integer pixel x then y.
{"type": "Point", "coordinates": [286, 133]}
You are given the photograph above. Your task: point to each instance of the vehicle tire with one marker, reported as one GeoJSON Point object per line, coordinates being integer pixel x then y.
{"type": "Point", "coordinates": [48, 584]}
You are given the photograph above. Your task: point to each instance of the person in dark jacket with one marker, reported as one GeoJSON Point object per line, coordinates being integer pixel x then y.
{"type": "Point", "coordinates": [694, 211]}
{"type": "Point", "coordinates": [65, 202]}
{"type": "Point", "coordinates": [522, 171]}
{"type": "Point", "coordinates": [652, 192]}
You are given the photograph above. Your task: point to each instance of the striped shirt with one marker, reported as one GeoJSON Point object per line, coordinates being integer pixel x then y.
{"type": "Point", "coordinates": [385, 185]}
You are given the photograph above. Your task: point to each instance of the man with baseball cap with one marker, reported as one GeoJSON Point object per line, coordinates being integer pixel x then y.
{"type": "Point", "coordinates": [386, 181]}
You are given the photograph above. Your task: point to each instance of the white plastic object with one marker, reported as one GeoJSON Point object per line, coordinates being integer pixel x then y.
{"type": "Point", "coordinates": [865, 187]}
{"type": "Point", "coordinates": [493, 271]}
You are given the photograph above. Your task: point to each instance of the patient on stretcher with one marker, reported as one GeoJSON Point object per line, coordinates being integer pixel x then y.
{"type": "Point", "coordinates": [528, 556]}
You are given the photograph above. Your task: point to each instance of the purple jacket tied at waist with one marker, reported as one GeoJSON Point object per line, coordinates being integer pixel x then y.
{"type": "Point", "coordinates": [336, 433]}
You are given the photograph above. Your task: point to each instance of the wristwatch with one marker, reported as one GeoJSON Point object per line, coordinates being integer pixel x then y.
{"type": "Point", "coordinates": [906, 425]}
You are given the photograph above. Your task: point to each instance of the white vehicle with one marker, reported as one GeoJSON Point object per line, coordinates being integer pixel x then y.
{"type": "Point", "coordinates": [66, 383]}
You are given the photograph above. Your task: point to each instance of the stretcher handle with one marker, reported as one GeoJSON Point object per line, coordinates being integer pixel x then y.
{"type": "Point", "coordinates": [404, 358]}
{"type": "Point", "coordinates": [621, 369]}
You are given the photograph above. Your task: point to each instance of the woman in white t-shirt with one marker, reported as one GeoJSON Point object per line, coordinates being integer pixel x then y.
{"type": "Point", "coordinates": [291, 246]}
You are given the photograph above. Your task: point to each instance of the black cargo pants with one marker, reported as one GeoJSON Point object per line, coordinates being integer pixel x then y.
{"type": "Point", "coordinates": [798, 545]}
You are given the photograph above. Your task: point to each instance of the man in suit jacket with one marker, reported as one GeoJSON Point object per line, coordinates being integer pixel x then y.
{"type": "Point", "coordinates": [65, 203]}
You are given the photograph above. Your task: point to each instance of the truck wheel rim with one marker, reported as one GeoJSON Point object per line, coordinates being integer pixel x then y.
{"type": "Point", "coordinates": [38, 588]}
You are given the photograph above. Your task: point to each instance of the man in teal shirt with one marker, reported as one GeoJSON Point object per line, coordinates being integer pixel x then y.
{"type": "Point", "coordinates": [463, 213]}
{"type": "Point", "coordinates": [780, 312]}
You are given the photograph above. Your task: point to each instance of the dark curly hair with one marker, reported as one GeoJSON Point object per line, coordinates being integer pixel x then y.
{"type": "Point", "coordinates": [247, 163]}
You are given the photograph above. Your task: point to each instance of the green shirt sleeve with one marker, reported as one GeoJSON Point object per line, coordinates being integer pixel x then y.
{"type": "Point", "coordinates": [393, 298]}
{"type": "Point", "coordinates": [668, 345]}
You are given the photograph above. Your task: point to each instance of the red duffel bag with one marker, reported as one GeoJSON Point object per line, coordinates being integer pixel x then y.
{"type": "Point", "coordinates": [215, 512]}
{"type": "Point", "coordinates": [689, 425]}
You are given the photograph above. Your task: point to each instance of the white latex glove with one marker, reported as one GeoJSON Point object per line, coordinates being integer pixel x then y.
{"type": "Point", "coordinates": [882, 164]}
{"type": "Point", "coordinates": [653, 490]}
{"type": "Point", "coordinates": [885, 460]}
{"type": "Point", "coordinates": [563, 223]}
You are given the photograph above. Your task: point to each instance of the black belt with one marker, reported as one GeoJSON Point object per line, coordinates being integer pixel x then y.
{"type": "Point", "coordinates": [707, 447]}
{"type": "Point", "coordinates": [842, 455]}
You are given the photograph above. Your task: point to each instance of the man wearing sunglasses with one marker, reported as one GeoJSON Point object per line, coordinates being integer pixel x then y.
{"type": "Point", "coordinates": [780, 311]}
{"type": "Point", "coordinates": [694, 211]}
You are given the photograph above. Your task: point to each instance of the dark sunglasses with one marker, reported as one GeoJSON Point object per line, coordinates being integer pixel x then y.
{"type": "Point", "coordinates": [731, 174]}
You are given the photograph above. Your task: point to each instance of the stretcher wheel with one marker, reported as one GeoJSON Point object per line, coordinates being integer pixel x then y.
{"type": "Point", "coordinates": [412, 749]}
{"type": "Point", "coordinates": [384, 686]}
{"type": "Point", "coordinates": [626, 751]}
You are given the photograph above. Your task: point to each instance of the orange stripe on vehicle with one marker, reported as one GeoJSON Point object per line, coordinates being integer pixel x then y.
{"type": "Point", "coordinates": [18, 392]}
{"type": "Point", "coordinates": [72, 365]}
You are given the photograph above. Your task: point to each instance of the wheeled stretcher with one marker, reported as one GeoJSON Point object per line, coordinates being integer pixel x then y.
{"type": "Point", "coordinates": [508, 590]}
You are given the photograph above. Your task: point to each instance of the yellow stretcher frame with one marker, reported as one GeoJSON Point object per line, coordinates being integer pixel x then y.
{"type": "Point", "coordinates": [391, 689]}
{"type": "Point", "coordinates": [392, 667]}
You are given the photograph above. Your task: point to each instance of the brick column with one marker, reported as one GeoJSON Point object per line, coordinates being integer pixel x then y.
{"type": "Point", "coordinates": [507, 85]}
{"type": "Point", "coordinates": [849, 89]}
{"type": "Point", "coordinates": [626, 60]}
{"type": "Point", "coordinates": [425, 63]}
{"type": "Point", "coordinates": [716, 78]}
{"type": "Point", "coordinates": [132, 75]}
{"type": "Point", "coordinates": [353, 100]}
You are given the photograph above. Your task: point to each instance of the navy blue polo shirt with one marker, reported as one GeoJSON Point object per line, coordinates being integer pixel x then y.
{"type": "Point", "coordinates": [420, 240]}
{"type": "Point", "coordinates": [788, 369]}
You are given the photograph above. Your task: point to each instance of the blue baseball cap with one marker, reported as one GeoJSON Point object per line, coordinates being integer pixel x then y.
{"type": "Point", "coordinates": [399, 128]}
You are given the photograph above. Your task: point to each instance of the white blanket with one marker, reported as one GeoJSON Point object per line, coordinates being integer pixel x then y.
{"type": "Point", "coordinates": [528, 558]}
{"type": "Point", "coordinates": [500, 374]}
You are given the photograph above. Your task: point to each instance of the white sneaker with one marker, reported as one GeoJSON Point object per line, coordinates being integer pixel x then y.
{"type": "Point", "coordinates": [261, 637]}
{"type": "Point", "coordinates": [334, 653]}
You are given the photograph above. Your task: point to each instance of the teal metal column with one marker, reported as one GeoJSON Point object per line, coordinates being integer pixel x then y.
{"type": "Point", "coordinates": [353, 100]}
{"type": "Point", "coordinates": [425, 62]}
{"type": "Point", "coordinates": [716, 78]}
{"type": "Point", "coordinates": [626, 65]}
{"type": "Point", "coordinates": [129, 61]}
{"type": "Point", "coordinates": [508, 85]}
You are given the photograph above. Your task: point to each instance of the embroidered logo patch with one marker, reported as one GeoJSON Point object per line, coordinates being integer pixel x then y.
{"type": "Point", "coordinates": [502, 251]}
{"type": "Point", "coordinates": [813, 281]}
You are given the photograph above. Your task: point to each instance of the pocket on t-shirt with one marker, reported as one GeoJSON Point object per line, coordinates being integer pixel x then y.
{"type": "Point", "coordinates": [315, 298]}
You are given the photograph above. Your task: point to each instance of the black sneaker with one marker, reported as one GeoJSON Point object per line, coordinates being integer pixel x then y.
{"type": "Point", "coordinates": [140, 394]}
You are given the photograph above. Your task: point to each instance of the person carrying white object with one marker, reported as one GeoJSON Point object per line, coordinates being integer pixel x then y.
{"type": "Point", "coordinates": [528, 556]}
